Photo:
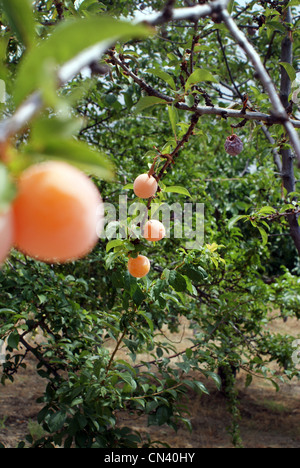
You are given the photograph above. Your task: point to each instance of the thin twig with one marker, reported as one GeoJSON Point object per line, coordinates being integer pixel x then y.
{"type": "Point", "coordinates": [227, 65]}
{"type": "Point", "coordinates": [59, 8]}
{"type": "Point", "coordinates": [115, 352]}
{"type": "Point", "coordinates": [194, 42]}
{"type": "Point", "coordinates": [273, 216]}
{"type": "Point", "coordinates": [276, 156]}
{"type": "Point", "coordinates": [179, 145]}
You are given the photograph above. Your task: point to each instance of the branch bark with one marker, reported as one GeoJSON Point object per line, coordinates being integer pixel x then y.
{"type": "Point", "coordinates": [59, 8]}
{"type": "Point", "coordinates": [288, 176]}
{"type": "Point", "coordinates": [193, 13]}
{"type": "Point", "coordinates": [276, 155]}
{"type": "Point", "coordinates": [34, 103]}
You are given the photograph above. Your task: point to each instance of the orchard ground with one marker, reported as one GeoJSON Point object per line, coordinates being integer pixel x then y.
{"type": "Point", "coordinates": [270, 419]}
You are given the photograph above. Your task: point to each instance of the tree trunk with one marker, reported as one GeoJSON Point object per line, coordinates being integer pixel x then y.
{"type": "Point", "coordinates": [288, 176]}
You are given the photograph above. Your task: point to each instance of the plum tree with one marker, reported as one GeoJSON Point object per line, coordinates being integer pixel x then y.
{"type": "Point", "coordinates": [167, 100]}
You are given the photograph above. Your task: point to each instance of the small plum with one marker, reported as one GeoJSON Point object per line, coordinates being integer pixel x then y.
{"type": "Point", "coordinates": [56, 213]}
{"type": "Point", "coordinates": [154, 231]}
{"type": "Point", "coordinates": [139, 267]}
{"type": "Point", "coordinates": [233, 145]}
{"type": "Point", "coordinates": [145, 186]}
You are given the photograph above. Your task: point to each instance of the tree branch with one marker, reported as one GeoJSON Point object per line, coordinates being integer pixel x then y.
{"type": "Point", "coordinates": [288, 176]}
{"type": "Point", "coordinates": [199, 110]}
{"type": "Point", "coordinates": [278, 109]}
{"type": "Point", "coordinates": [238, 93]}
{"type": "Point", "coordinates": [276, 156]}
{"type": "Point", "coordinates": [118, 344]}
{"type": "Point", "coordinates": [59, 8]}
{"type": "Point", "coordinates": [34, 103]}
{"type": "Point", "coordinates": [180, 144]}
{"type": "Point", "coordinates": [39, 356]}
{"type": "Point", "coordinates": [193, 13]}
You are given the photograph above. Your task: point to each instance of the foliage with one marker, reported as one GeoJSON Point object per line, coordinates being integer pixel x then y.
{"type": "Point", "coordinates": [98, 334]}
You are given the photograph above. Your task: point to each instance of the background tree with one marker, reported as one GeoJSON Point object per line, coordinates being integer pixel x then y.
{"type": "Point", "coordinates": [169, 89]}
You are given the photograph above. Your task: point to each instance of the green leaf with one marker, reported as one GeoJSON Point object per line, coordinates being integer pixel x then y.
{"type": "Point", "coordinates": [173, 116]}
{"type": "Point", "coordinates": [138, 296]}
{"type": "Point", "coordinates": [69, 39]}
{"type": "Point", "coordinates": [275, 385]}
{"type": "Point", "coordinates": [113, 243]}
{"type": "Point", "coordinates": [126, 365]}
{"type": "Point", "coordinates": [234, 220]}
{"type": "Point", "coordinates": [215, 377]}
{"type": "Point", "coordinates": [76, 401]}
{"type": "Point", "coordinates": [75, 152]}
{"type": "Point", "coordinates": [286, 207]}
{"type": "Point", "coordinates": [275, 26]}
{"type": "Point", "coordinates": [200, 387]}
{"type": "Point", "coordinates": [128, 187]}
{"type": "Point", "coordinates": [54, 139]}
{"type": "Point", "coordinates": [86, 5]}
{"type": "Point", "coordinates": [21, 20]}
{"type": "Point", "coordinates": [177, 189]}
{"type": "Point", "coordinates": [162, 415]}
{"type": "Point", "coordinates": [42, 298]}
{"type": "Point", "coordinates": [289, 69]}
{"type": "Point", "coordinates": [163, 75]}
{"type": "Point", "coordinates": [198, 76]}
{"type": "Point", "coordinates": [148, 320]}
{"type": "Point", "coordinates": [146, 102]}
{"type": "Point", "coordinates": [47, 128]}
{"type": "Point", "coordinates": [13, 340]}
{"type": "Point", "coordinates": [127, 377]}
{"type": "Point", "coordinates": [7, 311]}
{"type": "Point", "coordinates": [80, 418]}
{"type": "Point", "coordinates": [230, 6]}
{"type": "Point", "coordinates": [266, 210]}
{"type": "Point", "coordinates": [249, 379]}
{"type": "Point", "coordinates": [117, 280]}
{"type": "Point", "coordinates": [195, 273]}
{"type": "Point", "coordinates": [56, 421]}
{"type": "Point", "coordinates": [177, 281]}
{"type": "Point", "coordinates": [130, 283]}
{"type": "Point", "coordinates": [263, 234]}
